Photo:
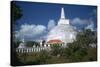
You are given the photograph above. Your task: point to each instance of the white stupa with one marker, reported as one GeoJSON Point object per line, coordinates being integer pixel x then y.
{"type": "Point", "coordinates": [22, 45]}
{"type": "Point", "coordinates": [63, 32]}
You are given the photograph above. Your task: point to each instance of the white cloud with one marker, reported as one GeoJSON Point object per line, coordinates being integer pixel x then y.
{"type": "Point", "coordinates": [78, 21]}
{"type": "Point", "coordinates": [30, 31]}
{"type": "Point", "coordinates": [81, 24]}
{"type": "Point", "coordinates": [90, 26]}
{"type": "Point", "coordinates": [51, 24]}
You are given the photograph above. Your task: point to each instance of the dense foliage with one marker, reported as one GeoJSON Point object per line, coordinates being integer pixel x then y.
{"type": "Point", "coordinates": [16, 12]}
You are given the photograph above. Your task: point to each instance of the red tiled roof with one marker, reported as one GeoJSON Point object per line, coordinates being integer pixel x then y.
{"type": "Point", "coordinates": [54, 41]}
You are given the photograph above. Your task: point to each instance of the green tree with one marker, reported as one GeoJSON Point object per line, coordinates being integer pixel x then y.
{"type": "Point", "coordinates": [56, 49]}
{"type": "Point", "coordinates": [44, 56]}
{"type": "Point", "coordinates": [16, 12]}
{"type": "Point", "coordinates": [16, 43]}
{"type": "Point", "coordinates": [74, 52]}
{"type": "Point", "coordinates": [86, 37]}
{"type": "Point", "coordinates": [79, 49]}
{"type": "Point", "coordinates": [30, 43]}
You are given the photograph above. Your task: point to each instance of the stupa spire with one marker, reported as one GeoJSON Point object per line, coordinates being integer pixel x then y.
{"type": "Point", "coordinates": [62, 19]}
{"type": "Point", "coordinates": [62, 13]}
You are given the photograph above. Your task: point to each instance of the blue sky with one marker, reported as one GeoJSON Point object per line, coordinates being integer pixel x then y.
{"type": "Point", "coordinates": [40, 14]}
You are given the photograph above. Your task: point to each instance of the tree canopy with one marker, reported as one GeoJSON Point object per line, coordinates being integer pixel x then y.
{"type": "Point", "coordinates": [16, 12]}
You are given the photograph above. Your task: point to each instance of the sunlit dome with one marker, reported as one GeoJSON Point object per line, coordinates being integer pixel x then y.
{"type": "Point", "coordinates": [63, 31]}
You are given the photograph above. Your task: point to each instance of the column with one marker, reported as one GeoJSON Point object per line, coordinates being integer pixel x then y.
{"type": "Point", "coordinates": [22, 50]}
{"type": "Point", "coordinates": [27, 50]}
{"type": "Point", "coordinates": [32, 49]}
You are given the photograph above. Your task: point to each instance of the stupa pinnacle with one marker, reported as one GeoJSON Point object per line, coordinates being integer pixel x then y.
{"type": "Point", "coordinates": [62, 19]}
{"type": "Point", "coordinates": [62, 14]}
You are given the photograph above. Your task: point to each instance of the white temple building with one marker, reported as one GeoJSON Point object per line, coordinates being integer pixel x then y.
{"type": "Point", "coordinates": [61, 34]}
{"type": "Point", "coordinates": [24, 49]}
{"type": "Point", "coordinates": [22, 45]}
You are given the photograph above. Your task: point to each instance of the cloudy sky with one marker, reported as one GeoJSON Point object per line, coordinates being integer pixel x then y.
{"type": "Point", "coordinates": [39, 18]}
